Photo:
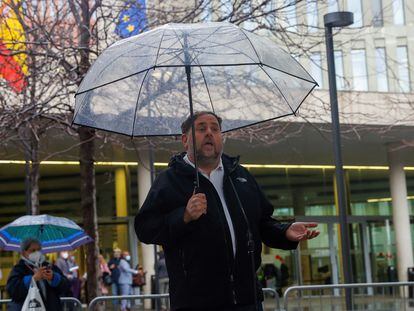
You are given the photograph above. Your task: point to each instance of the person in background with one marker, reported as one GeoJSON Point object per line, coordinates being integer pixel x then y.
{"type": "Point", "coordinates": [125, 279]}
{"type": "Point", "coordinates": [50, 280]}
{"type": "Point", "coordinates": [138, 282]}
{"type": "Point", "coordinates": [104, 275]}
{"type": "Point", "coordinates": [70, 269]}
{"type": "Point", "coordinates": [113, 265]}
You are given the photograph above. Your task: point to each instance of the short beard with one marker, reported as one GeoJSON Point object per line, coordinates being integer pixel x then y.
{"type": "Point", "coordinates": [202, 159]}
{"type": "Point", "coordinates": [207, 161]}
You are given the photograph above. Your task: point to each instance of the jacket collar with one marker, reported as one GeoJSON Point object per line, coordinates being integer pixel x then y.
{"type": "Point", "coordinates": [180, 166]}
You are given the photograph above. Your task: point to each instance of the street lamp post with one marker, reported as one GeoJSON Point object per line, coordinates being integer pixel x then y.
{"type": "Point", "coordinates": [331, 20]}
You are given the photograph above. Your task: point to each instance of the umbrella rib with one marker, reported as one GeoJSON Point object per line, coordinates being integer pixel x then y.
{"type": "Point", "coordinates": [255, 123]}
{"type": "Point", "coordinates": [237, 52]}
{"type": "Point", "coordinates": [134, 45]}
{"type": "Point", "coordinates": [254, 49]}
{"type": "Point", "coordinates": [206, 39]}
{"type": "Point", "coordinates": [280, 91]}
{"type": "Point", "coordinates": [273, 67]}
{"type": "Point", "coordinates": [114, 81]}
{"type": "Point", "coordinates": [310, 91]}
{"type": "Point", "coordinates": [208, 90]}
{"type": "Point", "coordinates": [159, 47]}
{"type": "Point", "coordinates": [292, 75]}
{"type": "Point", "coordinates": [158, 66]}
{"type": "Point", "coordinates": [174, 53]}
{"type": "Point", "coordinates": [136, 105]}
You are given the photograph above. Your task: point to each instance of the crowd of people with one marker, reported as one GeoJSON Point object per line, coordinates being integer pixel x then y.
{"type": "Point", "coordinates": [61, 277]}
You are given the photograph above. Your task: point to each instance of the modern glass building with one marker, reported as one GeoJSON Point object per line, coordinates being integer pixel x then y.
{"type": "Point", "coordinates": [294, 165]}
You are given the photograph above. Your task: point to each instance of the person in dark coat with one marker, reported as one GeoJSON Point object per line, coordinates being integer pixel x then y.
{"type": "Point", "coordinates": [50, 280]}
{"type": "Point", "coordinates": [203, 232]}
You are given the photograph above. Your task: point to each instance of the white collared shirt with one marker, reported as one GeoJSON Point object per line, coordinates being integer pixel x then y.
{"type": "Point", "coordinates": [216, 178]}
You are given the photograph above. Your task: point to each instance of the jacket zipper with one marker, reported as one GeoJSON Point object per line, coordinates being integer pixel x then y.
{"type": "Point", "coordinates": [232, 288]}
{"type": "Point", "coordinates": [183, 262]}
{"type": "Point", "coordinates": [226, 242]}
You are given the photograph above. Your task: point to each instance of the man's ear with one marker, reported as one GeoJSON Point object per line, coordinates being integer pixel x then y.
{"type": "Point", "coordinates": [184, 141]}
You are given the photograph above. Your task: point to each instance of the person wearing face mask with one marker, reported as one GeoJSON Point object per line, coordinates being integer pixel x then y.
{"type": "Point", "coordinates": [125, 279]}
{"type": "Point", "coordinates": [70, 269]}
{"type": "Point", "coordinates": [50, 280]}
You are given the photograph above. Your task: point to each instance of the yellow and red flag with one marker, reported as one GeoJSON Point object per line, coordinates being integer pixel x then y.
{"type": "Point", "coordinates": [13, 66]}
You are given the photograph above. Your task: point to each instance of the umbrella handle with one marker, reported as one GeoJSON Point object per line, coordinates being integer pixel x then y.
{"type": "Point", "coordinates": [196, 188]}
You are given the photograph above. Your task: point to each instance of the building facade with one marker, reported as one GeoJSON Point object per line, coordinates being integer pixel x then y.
{"type": "Point", "coordinates": [295, 167]}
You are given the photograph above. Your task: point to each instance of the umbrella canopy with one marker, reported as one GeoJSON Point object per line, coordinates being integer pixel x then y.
{"type": "Point", "coordinates": [55, 233]}
{"type": "Point", "coordinates": [142, 85]}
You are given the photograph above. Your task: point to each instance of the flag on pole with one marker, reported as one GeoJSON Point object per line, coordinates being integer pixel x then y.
{"type": "Point", "coordinates": [132, 19]}
{"type": "Point", "coordinates": [13, 66]}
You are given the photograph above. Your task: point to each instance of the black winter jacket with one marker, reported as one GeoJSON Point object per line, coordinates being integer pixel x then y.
{"type": "Point", "coordinates": [201, 266]}
{"type": "Point", "coordinates": [18, 290]}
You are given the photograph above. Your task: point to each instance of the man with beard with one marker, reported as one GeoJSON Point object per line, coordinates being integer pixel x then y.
{"type": "Point", "coordinates": [203, 231]}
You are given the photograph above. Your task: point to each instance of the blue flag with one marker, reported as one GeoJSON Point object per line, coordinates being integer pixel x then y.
{"type": "Point", "coordinates": [132, 20]}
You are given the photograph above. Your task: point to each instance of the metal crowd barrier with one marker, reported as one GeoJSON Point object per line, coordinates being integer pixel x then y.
{"type": "Point", "coordinates": [370, 296]}
{"type": "Point", "coordinates": [273, 292]}
{"type": "Point", "coordinates": [99, 300]}
{"type": "Point", "coordinates": [69, 303]}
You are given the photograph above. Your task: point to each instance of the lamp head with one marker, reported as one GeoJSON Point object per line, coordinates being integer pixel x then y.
{"type": "Point", "coordinates": [338, 19]}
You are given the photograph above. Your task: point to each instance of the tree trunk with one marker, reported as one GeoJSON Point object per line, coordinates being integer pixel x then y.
{"type": "Point", "coordinates": [86, 157]}
{"type": "Point", "coordinates": [34, 176]}
{"type": "Point", "coordinates": [31, 154]}
{"type": "Point", "coordinates": [88, 206]}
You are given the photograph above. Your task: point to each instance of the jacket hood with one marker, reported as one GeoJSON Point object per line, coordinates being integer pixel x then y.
{"type": "Point", "coordinates": [177, 163]}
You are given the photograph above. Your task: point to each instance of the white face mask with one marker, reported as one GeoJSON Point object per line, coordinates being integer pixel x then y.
{"type": "Point", "coordinates": [65, 255]}
{"type": "Point", "coordinates": [36, 257]}
{"type": "Point", "coordinates": [128, 258]}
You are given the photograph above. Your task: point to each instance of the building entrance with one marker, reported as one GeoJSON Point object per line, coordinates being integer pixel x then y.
{"type": "Point", "coordinates": [318, 261]}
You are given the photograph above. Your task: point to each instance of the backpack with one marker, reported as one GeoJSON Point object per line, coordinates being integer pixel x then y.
{"type": "Point", "coordinates": [138, 279]}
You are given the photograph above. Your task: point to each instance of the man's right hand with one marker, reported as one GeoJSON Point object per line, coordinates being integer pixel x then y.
{"type": "Point", "coordinates": [196, 206]}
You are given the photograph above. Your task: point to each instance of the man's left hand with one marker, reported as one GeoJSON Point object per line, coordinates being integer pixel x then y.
{"type": "Point", "coordinates": [299, 231]}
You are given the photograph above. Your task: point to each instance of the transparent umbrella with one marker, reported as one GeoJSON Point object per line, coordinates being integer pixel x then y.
{"type": "Point", "coordinates": [148, 84]}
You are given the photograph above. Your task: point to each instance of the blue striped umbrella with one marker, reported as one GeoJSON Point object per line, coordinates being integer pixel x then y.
{"type": "Point", "coordinates": [55, 233]}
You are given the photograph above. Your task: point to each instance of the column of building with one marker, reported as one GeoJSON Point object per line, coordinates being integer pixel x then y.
{"type": "Point", "coordinates": [144, 184]}
{"type": "Point", "coordinates": [400, 211]}
{"type": "Point", "coordinates": [121, 207]}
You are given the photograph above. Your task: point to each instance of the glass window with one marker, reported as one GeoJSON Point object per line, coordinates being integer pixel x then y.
{"type": "Point", "coordinates": [359, 70]}
{"type": "Point", "coordinates": [355, 7]}
{"type": "Point", "coordinates": [247, 13]}
{"type": "Point", "coordinates": [289, 12]}
{"type": "Point", "coordinates": [226, 8]}
{"type": "Point", "coordinates": [339, 70]}
{"type": "Point", "coordinates": [316, 68]}
{"type": "Point", "coordinates": [377, 17]}
{"type": "Point", "coordinates": [270, 13]}
{"type": "Point", "coordinates": [398, 10]}
{"type": "Point", "coordinates": [381, 70]}
{"type": "Point", "coordinates": [333, 6]}
{"type": "Point", "coordinates": [207, 12]}
{"type": "Point", "coordinates": [312, 15]}
{"type": "Point", "coordinates": [403, 73]}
